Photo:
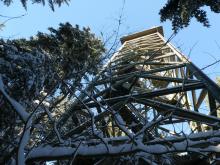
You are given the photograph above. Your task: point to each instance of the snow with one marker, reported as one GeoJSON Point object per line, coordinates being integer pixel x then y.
{"type": "Point", "coordinates": [36, 101]}
{"type": "Point", "coordinates": [199, 142]}
{"type": "Point", "coordinates": [23, 142]}
{"type": "Point", "coordinates": [17, 106]}
{"type": "Point", "coordinates": [49, 151]}
{"type": "Point", "coordinates": [43, 93]}
{"type": "Point", "coordinates": [46, 103]}
{"type": "Point", "coordinates": [100, 149]}
{"type": "Point", "coordinates": [122, 125]}
{"type": "Point", "coordinates": [211, 148]}
{"type": "Point", "coordinates": [33, 66]}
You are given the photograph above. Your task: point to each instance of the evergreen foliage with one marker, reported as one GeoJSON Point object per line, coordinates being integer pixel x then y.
{"type": "Point", "coordinates": [51, 3]}
{"type": "Point", "coordinates": [30, 65]}
{"type": "Point", "coordinates": [180, 12]}
{"type": "Point", "coordinates": [35, 67]}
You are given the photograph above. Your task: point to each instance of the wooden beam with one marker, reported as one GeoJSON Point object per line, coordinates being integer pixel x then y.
{"type": "Point", "coordinates": [201, 98]}
{"type": "Point", "coordinates": [159, 92]}
{"type": "Point", "coordinates": [212, 105]}
{"type": "Point", "coordinates": [182, 113]}
{"type": "Point", "coordinates": [134, 74]}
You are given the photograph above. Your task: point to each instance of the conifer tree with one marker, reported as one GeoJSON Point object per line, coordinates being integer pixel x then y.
{"type": "Point", "coordinates": [180, 12]}
{"type": "Point", "coordinates": [31, 69]}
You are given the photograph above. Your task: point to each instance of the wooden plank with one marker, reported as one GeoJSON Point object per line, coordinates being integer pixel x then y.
{"type": "Point", "coordinates": [134, 74]}
{"type": "Point", "coordinates": [143, 33]}
{"type": "Point", "coordinates": [160, 78]}
{"type": "Point", "coordinates": [118, 66]}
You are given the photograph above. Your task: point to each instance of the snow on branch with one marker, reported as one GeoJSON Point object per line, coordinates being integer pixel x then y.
{"type": "Point", "coordinates": [24, 140]}
{"type": "Point", "coordinates": [16, 105]}
{"type": "Point", "coordinates": [191, 143]}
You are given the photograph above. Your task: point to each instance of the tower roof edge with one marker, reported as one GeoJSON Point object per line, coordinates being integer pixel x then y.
{"type": "Point", "coordinates": [143, 33]}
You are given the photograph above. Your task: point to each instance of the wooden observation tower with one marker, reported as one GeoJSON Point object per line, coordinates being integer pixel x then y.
{"type": "Point", "coordinates": [147, 103]}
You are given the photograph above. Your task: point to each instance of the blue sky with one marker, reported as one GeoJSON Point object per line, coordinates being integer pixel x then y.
{"type": "Point", "coordinates": [101, 15]}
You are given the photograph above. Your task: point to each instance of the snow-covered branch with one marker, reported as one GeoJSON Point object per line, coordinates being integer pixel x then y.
{"type": "Point", "coordinates": [16, 105]}
{"type": "Point", "coordinates": [192, 143]}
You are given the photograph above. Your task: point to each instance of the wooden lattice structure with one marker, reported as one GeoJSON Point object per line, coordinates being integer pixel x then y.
{"type": "Point", "coordinates": [136, 102]}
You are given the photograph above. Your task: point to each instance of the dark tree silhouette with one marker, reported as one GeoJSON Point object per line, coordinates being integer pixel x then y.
{"type": "Point", "coordinates": [180, 12]}
{"type": "Point", "coordinates": [51, 3]}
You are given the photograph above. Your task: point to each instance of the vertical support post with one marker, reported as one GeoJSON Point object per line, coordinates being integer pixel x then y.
{"type": "Point", "coordinates": [212, 106]}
